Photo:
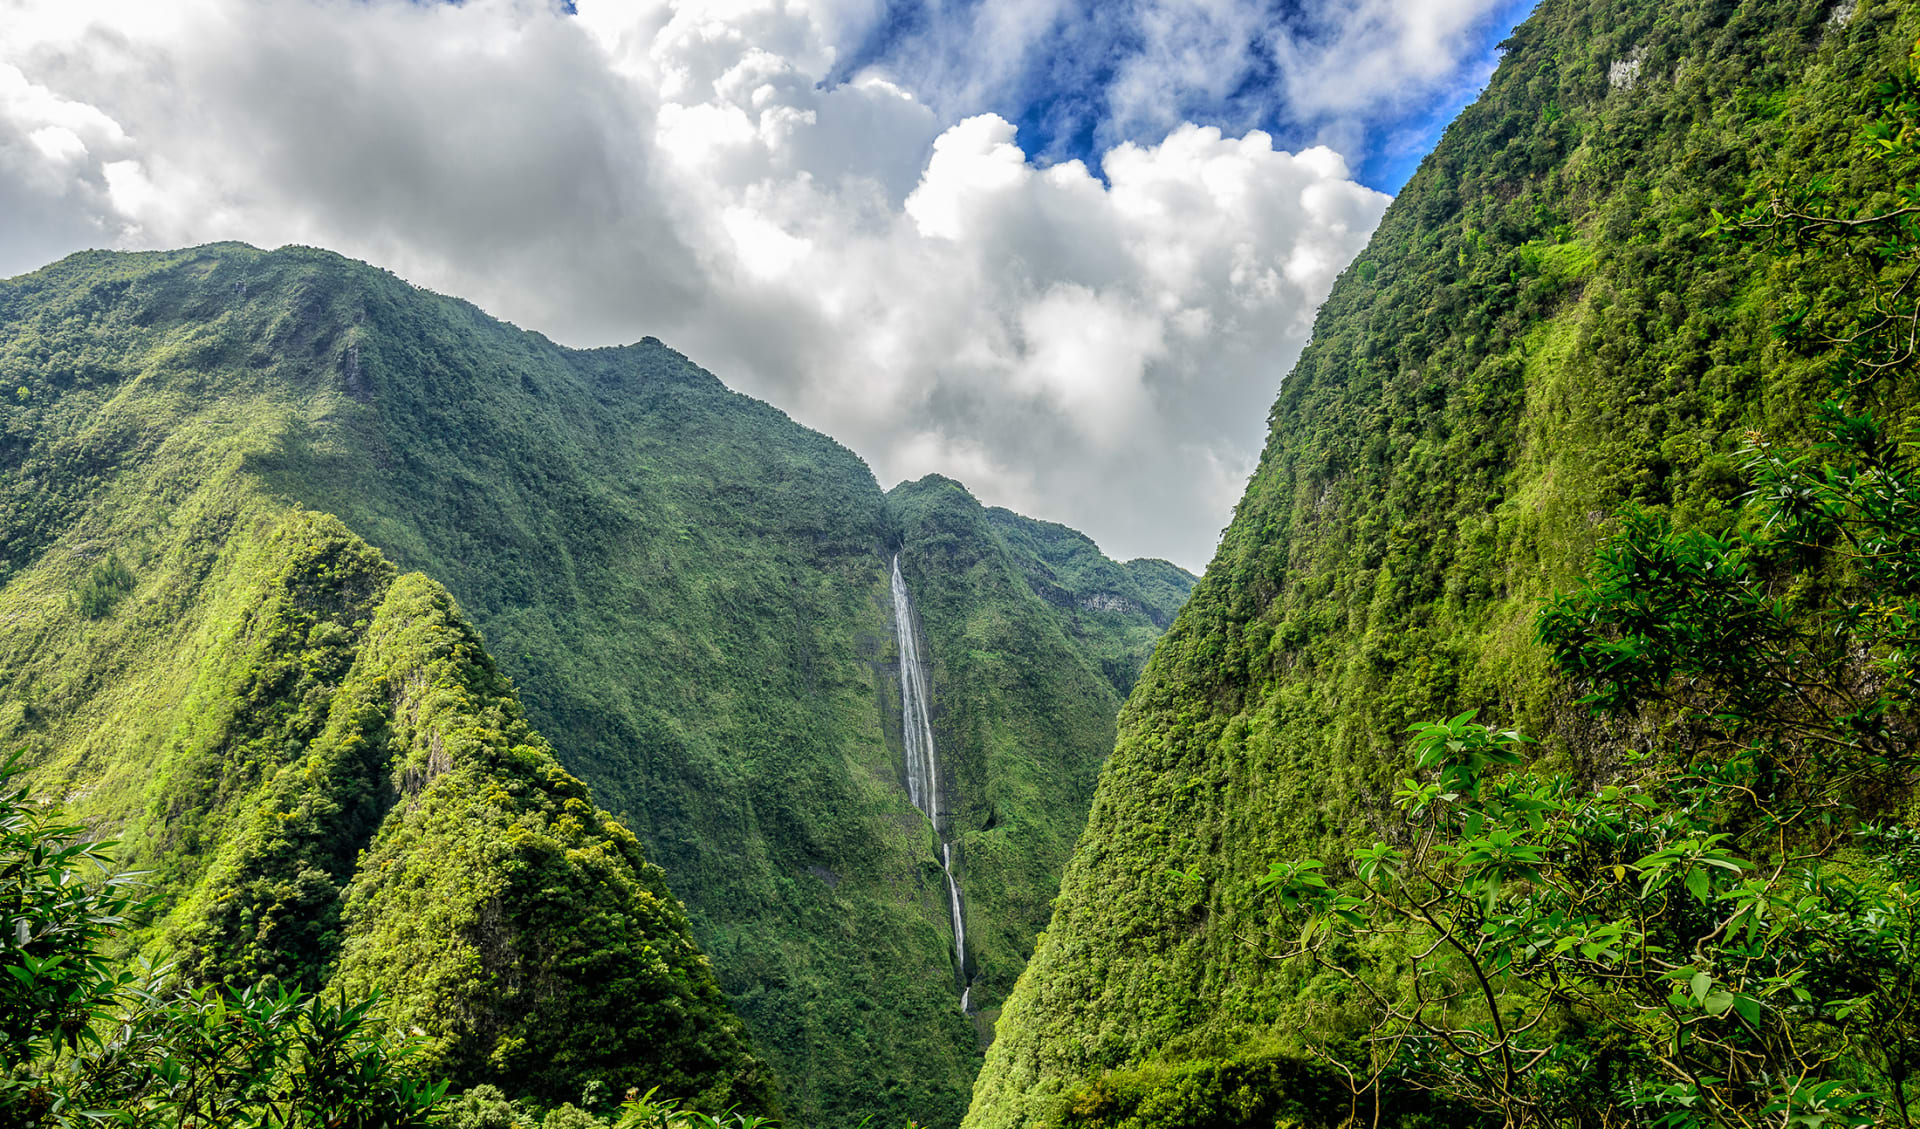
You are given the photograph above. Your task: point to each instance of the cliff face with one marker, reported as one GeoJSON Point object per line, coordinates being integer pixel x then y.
{"type": "Point", "coordinates": [1033, 638]}
{"type": "Point", "coordinates": [1537, 334]}
{"type": "Point", "coordinates": [688, 590]}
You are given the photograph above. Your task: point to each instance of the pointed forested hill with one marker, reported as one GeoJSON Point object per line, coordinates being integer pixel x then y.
{"type": "Point", "coordinates": [689, 591]}
{"type": "Point", "coordinates": [1538, 334]}
{"type": "Point", "coordinates": [349, 794]}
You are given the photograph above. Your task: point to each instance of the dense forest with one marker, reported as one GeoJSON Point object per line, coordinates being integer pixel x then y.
{"type": "Point", "coordinates": [210, 456]}
{"type": "Point", "coordinates": [1575, 357]}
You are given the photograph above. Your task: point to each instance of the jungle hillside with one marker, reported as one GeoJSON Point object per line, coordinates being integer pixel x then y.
{"type": "Point", "coordinates": [238, 485]}
{"type": "Point", "coordinates": [1476, 777]}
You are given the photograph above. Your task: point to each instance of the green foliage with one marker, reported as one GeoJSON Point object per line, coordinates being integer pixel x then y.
{"type": "Point", "coordinates": [1582, 957]}
{"type": "Point", "coordinates": [517, 924]}
{"type": "Point", "coordinates": [271, 908]}
{"type": "Point", "coordinates": [105, 584]}
{"type": "Point", "coordinates": [1876, 239]}
{"type": "Point", "coordinates": [1723, 936]}
{"type": "Point", "coordinates": [88, 1041]}
{"type": "Point", "coordinates": [486, 1107]}
{"type": "Point", "coordinates": [648, 1112]}
{"type": "Point", "coordinates": [429, 845]}
{"type": "Point", "coordinates": [1254, 1091]}
{"type": "Point", "coordinates": [371, 810]}
{"type": "Point", "coordinates": [1115, 612]}
{"type": "Point", "coordinates": [570, 1116]}
{"type": "Point", "coordinates": [59, 902]}
{"type": "Point", "coordinates": [1698, 942]}
{"type": "Point", "coordinates": [1660, 606]}
{"type": "Point", "coordinates": [174, 1056]}
{"type": "Point", "coordinates": [1541, 338]}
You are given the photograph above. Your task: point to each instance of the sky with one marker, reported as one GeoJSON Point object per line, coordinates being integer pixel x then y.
{"type": "Point", "coordinates": [1061, 250]}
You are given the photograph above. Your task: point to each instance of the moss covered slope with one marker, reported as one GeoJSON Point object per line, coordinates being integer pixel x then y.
{"type": "Point", "coordinates": [353, 796]}
{"type": "Point", "coordinates": [1536, 335]}
{"type": "Point", "coordinates": [689, 590]}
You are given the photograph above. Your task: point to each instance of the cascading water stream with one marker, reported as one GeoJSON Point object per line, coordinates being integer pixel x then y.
{"type": "Point", "coordinates": [923, 769]}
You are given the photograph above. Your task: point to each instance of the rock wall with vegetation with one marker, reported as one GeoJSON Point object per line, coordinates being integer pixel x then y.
{"type": "Point", "coordinates": [1541, 332]}
{"type": "Point", "coordinates": [1034, 639]}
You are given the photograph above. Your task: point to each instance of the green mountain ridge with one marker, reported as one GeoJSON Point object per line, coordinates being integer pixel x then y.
{"type": "Point", "coordinates": [491, 903]}
{"type": "Point", "coordinates": [688, 590]}
{"type": "Point", "coordinates": [353, 797]}
{"type": "Point", "coordinates": [1537, 334]}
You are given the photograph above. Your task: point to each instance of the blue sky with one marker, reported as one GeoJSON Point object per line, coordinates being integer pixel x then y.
{"type": "Point", "coordinates": [1064, 251]}
{"type": "Point", "coordinates": [1058, 93]}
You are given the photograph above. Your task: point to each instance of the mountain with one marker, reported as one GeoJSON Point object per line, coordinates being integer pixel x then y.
{"type": "Point", "coordinates": [350, 794]}
{"type": "Point", "coordinates": [1034, 639]}
{"type": "Point", "coordinates": [1539, 333]}
{"type": "Point", "coordinates": [209, 457]}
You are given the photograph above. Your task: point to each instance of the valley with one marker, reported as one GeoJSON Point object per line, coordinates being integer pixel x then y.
{"type": "Point", "coordinates": [1536, 749]}
{"type": "Point", "coordinates": [689, 589]}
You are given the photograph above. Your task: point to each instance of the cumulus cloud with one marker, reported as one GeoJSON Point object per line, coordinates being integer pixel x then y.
{"type": "Point", "coordinates": [1097, 350]}
{"type": "Point", "coordinates": [1339, 62]}
{"type": "Point", "coordinates": [1344, 72]}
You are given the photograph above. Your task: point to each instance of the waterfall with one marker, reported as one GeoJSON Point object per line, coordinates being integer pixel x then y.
{"type": "Point", "coordinates": [923, 769]}
{"type": "Point", "coordinates": [953, 902]}
{"type": "Point", "coordinates": [915, 721]}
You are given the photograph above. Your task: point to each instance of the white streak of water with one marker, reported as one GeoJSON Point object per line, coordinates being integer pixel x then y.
{"type": "Point", "coordinates": [953, 901]}
{"type": "Point", "coordinates": [923, 768]}
{"type": "Point", "coordinates": [916, 720]}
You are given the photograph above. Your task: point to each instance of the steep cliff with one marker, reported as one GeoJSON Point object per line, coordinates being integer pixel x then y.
{"type": "Point", "coordinates": [1538, 333]}
{"type": "Point", "coordinates": [1033, 637]}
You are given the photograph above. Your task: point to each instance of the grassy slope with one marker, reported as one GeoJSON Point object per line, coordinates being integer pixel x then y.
{"type": "Point", "coordinates": [1535, 336]}
{"type": "Point", "coordinates": [689, 589]}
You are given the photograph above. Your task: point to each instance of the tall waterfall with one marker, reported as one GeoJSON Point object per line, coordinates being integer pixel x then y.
{"type": "Point", "coordinates": [923, 768]}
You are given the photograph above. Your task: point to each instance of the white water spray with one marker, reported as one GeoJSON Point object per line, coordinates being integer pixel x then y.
{"type": "Point", "coordinates": [923, 770]}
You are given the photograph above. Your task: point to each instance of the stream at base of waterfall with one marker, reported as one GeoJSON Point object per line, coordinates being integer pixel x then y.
{"type": "Point", "coordinates": [923, 770]}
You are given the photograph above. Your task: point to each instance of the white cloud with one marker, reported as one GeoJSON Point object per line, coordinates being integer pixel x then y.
{"type": "Point", "coordinates": [1101, 353]}
{"type": "Point", "coordinates": [1364, 53]}
{"type": "Point", "coordinates": [58, 144]}
{"type": "Point", "coordinates": [1339, 70]}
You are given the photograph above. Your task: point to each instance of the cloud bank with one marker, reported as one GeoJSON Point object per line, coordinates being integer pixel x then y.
{"type": "Point", "coordinates": [1097, 350]}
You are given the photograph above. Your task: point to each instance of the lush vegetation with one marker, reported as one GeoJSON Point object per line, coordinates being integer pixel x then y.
{"type": "Point", "coordinates": [368, 807]}
{"type": "Point", "coordinates": [689, 592]}
{"type": "Point", "coordinates": [1724, 932]}
{"type": "Point", "coordinates": [1544, 330]}
{"type": "Point", "coordinates": [88, 1040]}
{"type": "Point", "coordinates": [1035, 637]}
{"type": "Point", "coordinates": [1114, 611]}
